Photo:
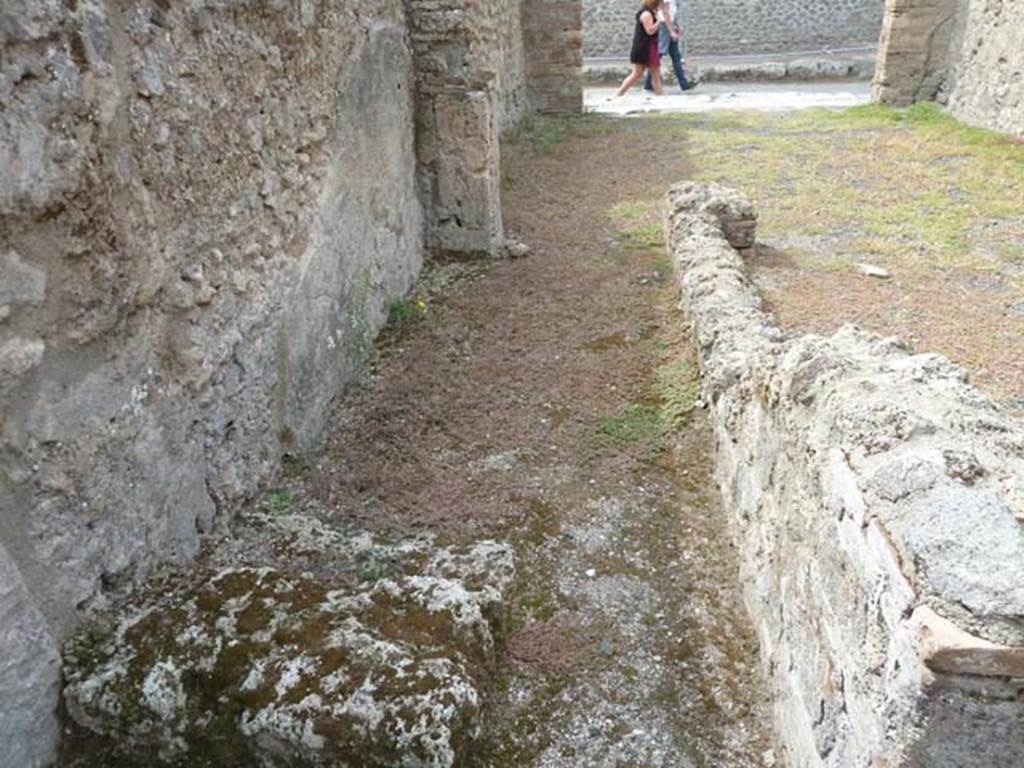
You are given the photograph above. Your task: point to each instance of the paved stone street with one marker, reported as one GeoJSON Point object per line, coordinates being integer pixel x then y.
{"type": "Point", "coordinates": [729, 96]}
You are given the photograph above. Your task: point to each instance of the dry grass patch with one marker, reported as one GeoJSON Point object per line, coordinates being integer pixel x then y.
{"type": "Point", "coordinates": [938, 204]}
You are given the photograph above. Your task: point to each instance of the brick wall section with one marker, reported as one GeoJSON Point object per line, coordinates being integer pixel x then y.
{"type": "Point", "coordinates": [913, 55]}
{"type": "Point", "coordinates": [553, 38]}
{"type": "Point", "coordinates": [742, 26]}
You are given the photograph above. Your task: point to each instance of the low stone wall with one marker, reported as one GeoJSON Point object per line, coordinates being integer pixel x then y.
{"type": "Point", "coordinates": [878, 503]}
{"type": "Point", "coordinates": [715, 27]}
{"type": "Point", "coordinates": [963, 53]}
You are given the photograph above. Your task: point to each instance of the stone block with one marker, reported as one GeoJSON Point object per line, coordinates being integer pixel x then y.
{"type": "Point", "coordinates": [257, 664]}
{"type": "Point", "coordinates": [29, 675]}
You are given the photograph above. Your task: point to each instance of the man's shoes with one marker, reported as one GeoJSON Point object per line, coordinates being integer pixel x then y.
{"type": "Point", "coordinates": [689, 86]}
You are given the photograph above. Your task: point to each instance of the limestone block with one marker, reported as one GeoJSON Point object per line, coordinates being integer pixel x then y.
{"type": "Point", "coordinates": [259, 664]}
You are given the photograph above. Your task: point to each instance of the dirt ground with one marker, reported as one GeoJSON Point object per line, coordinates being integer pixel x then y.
{"type": "Point", "coordinates": [552, 402]}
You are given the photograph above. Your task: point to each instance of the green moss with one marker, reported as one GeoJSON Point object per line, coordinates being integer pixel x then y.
{"type": "Point", "coordinates": [637, 422]}
{"type": "Point", "coordinates": [678, 385]}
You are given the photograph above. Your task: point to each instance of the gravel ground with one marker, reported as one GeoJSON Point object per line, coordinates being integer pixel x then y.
{"type": "Point", "coordinates": [529, 400]}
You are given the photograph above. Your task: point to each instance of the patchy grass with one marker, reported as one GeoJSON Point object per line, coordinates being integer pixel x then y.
{"type": "Point", "coordinates": [637, 224]}
{"type": "Point", "coordinates": [938, 204]}
{"type": "Point", "coordinates": [905, 186]}
{"type": "Point", "coordinates": [675, 391]}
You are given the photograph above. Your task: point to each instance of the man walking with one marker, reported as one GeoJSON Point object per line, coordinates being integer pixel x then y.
{"type": "Point", "coordinates": [669, 31]}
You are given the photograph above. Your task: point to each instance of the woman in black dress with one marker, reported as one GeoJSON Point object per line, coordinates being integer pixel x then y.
{"type": "Point", "coordinates": [644, 54]}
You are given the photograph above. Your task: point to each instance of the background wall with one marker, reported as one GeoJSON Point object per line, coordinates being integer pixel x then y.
{"type": "Point", "coordinates": [963, 53]}
{"type": "Point", "coordinates": [986, 85]}
{"type": "Point", "coordinates": [741, 26]}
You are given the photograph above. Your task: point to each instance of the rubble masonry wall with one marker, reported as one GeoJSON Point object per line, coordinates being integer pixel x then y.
{"type": "Point", "coordinates": [206, 208]}
{"type": "Point", "coordinates": [877, 500]}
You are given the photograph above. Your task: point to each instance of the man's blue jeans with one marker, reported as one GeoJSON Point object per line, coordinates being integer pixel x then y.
{"type": "Point", "coordinates": [666, 44]}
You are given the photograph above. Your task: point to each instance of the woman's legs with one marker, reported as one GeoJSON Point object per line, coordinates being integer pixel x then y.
{"type": "Point", "coordinates": [677, 64]}
{"type": "Point", "coordinates": [656, 79]}
{"type": "Point", "coordinates": [631, 78]}
{"type": "Point", "coordinates": [664, 38]}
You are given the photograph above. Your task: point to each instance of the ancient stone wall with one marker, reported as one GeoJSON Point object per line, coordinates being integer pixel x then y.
{"type": "Point", "coordinates": [914, 50]}
{"type": "Point", "coordinates": [553, 34]}
{"type": "Point", "coordinates": [741, 26]}
{"type": "Point", "coordinates": [205, 210]}
{"type": "Point", "coordinates": [877, 501]}
{"type": "Point", "coordinates": [987, 87]}
{"type": "Point", "coordinates": [963, 53]}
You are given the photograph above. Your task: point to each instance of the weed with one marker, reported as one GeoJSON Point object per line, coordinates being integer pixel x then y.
{"type": "Point", "coordinates": [280, 499]}
{"type": "Point", "coordinates": [636, 423]}
{"type": "Point", "coordinates": [403, 316]}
